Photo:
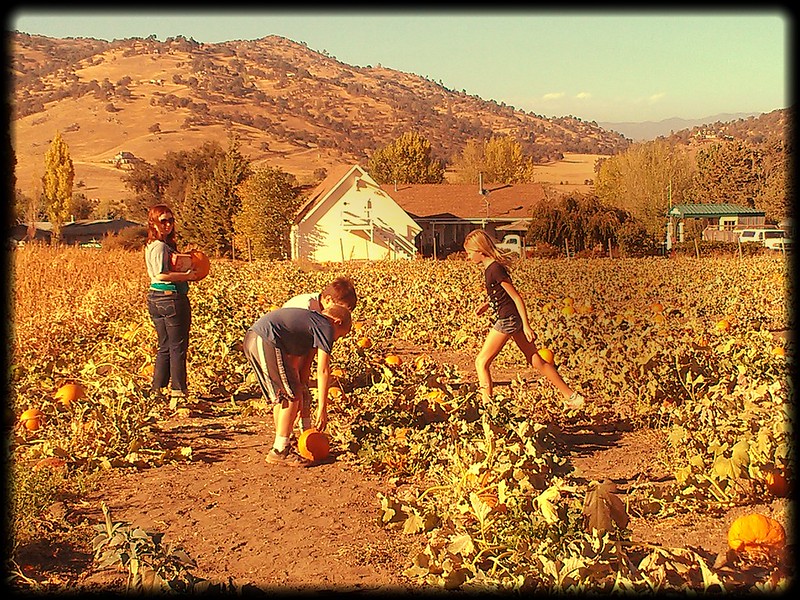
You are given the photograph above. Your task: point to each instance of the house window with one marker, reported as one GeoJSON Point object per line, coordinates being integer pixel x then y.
{"type": "Point", "coordinates": [727, 223]}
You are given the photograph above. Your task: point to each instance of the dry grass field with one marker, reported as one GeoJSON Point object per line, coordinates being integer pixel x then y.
{"type": "Point", "coordinates": [570, 174]}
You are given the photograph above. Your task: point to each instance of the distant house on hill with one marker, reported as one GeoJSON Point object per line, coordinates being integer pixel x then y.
{"type": "Point", "coordinates": [447, 212]}
{"type": "Point", "coordinates": [123, 159]}
{"type": "Point", "coordinates": [74, 232]}
{"type": "Point", "coordinates": [349, 217]}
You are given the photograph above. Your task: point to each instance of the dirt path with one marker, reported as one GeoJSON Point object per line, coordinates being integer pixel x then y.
{"type": "Point", "coordinates": [247, 523]}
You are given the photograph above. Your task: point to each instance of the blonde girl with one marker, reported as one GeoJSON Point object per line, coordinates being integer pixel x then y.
{"type": "Point", "coordinates": [511, 319]}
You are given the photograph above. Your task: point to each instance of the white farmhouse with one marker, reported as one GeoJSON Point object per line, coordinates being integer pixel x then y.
{"type": "Point", "coordinates": [349, 217]}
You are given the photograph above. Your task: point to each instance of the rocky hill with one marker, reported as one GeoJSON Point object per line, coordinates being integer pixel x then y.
{"type": "Point", "coordinates": [292, 107]}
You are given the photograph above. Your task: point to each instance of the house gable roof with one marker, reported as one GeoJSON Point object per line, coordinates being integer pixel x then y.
{"type": "Point", "coordinates": [448, 201]}
{"type": "Point", "coordinates": [325, 187]}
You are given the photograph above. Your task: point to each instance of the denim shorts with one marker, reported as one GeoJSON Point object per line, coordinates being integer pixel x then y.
{"type": "Point", "coordinates": [508, 325]}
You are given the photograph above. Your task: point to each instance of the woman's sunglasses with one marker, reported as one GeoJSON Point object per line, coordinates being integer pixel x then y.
{"type": "Point", "coordinates": [167, 220]}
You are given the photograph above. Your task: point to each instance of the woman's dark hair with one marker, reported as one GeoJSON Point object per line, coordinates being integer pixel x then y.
{"type": "Point", "coordinates": [153, 215]}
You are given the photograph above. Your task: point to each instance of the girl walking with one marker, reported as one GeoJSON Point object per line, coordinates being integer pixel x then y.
{"type": "Point", "coordinates": [512, 320]}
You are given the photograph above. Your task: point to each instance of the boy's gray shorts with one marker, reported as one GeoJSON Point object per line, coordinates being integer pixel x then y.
{"type": "Point", "coordinates": [277, 383]}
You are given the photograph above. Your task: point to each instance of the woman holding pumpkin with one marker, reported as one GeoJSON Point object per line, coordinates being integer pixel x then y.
{"type": "Point", "coordinates": [167, 302]}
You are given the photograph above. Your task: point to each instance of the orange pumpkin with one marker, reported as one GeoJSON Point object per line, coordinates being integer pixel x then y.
{"type": "Point", "coordinates": [776, 484]}
{"type": "Point", "coordinates": [313, 445]}
{"type": "Point", "coordinates": [31, 419]}
{"type": "Point", "coordinates": [200, 264]}
{"type": "Point", "coordinates": [756, 532]}
{"type": "Point", "coordinates": [546, 354]}
{"type": "Point", "coordinates": [393, 360]}
{"type": "Point", "coordinates": [364, 343]}
{"type": "Point", "coordinates": [68, 393]}
{"type": "Point", "coordinates": [195, 259]}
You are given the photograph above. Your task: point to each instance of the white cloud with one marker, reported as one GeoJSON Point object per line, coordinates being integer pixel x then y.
{"type": "Point", "coordinates": [655, 98]}
{"type": "Point", "coordinates": [583, 95]}
{"type": "Point", "coordinates": [553, 96]}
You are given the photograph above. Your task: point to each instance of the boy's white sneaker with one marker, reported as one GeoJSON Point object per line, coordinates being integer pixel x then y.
{"type": "Point", "coordinates": [575, 401]}
{"type": "Point", "coordinates": [286, 457]}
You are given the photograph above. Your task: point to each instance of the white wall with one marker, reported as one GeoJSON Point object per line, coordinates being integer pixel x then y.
{"type": "Point", "coordinates": [327, 232]}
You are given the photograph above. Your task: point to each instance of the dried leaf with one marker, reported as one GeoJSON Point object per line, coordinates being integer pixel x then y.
{"type": "Point", "coordinates": [479, 507]}
{"type": "Point", "coordinates": [545, 503]}
{"type": "Point", "coordinates": [413, 524]}
{"type": "Point", "coordinates": [461, 544]}
{"type": "Point", "coordinates": [603, 508]}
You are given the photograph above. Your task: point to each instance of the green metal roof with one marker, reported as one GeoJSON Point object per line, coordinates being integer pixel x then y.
{"type": "Point", "coordinates": [713, 210]}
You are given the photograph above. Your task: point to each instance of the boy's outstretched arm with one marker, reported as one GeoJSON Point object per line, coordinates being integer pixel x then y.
{"type": "Point", "coordinates": [323, 384]}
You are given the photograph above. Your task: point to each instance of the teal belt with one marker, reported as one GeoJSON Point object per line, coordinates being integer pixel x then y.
{"type": "Point", "coordinates": [163, 287]}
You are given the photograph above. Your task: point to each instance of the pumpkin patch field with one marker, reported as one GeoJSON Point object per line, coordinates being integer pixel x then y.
{"type": "Point", "coordinates": [465, 495]}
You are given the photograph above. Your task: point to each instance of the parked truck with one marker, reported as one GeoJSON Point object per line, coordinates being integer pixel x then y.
{"type": "Point", "coordinates": [774, 239]}
{"type": "Point", "coordinates": [511, 243]}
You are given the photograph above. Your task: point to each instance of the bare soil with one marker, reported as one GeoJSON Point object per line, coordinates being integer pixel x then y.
{"type": "Point", "coordinates": [252, 525]}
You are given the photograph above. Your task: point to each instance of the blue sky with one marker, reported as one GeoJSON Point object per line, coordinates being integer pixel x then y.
{"type": "Point", "coordinates": [604, 66]}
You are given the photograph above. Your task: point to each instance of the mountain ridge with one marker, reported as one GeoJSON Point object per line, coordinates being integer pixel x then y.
{"type": "Point", "coordinates": [642, 131]}
{"type": "Point", "coordinates": [290, 106]}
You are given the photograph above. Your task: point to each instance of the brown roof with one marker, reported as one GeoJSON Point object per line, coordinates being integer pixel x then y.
{"type": "Point", "coordinates": [463, 201]}
{"type": "Point", "coordinates": [331, 179]}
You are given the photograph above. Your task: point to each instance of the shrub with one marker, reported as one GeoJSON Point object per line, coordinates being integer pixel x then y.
{"type": "Point", "coordinates": [130, 238]}
{"type": "Point", "coordinates": [635, 241]}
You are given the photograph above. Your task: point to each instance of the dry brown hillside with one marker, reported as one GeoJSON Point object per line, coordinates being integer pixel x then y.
{"type": "Point", "coordinates": [291, 106]}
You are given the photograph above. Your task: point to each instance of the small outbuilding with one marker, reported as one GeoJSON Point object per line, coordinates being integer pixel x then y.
{"type": "Point", "coordinates": [74, 232]}
{"type": "Point", "coordinates": [711, 222]}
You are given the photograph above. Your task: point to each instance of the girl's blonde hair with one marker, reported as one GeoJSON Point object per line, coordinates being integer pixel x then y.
{"type": "Point", "coordinates": [480, 241]}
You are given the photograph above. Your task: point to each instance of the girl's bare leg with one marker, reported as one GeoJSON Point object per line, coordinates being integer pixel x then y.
{"type": "Point", "coordinates": [492, 346]}
{"type": "Point", "coordinates": [545, 368]}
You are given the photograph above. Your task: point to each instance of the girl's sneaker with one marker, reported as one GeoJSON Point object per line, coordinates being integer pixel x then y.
{"type": "Point", "coordinates": [575, 401]}
{"type": "Point", "coordinates": [286, 457]}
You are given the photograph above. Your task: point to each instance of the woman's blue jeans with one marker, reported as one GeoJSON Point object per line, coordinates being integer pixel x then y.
{"type": "Point", "coordinates": [172, 316]}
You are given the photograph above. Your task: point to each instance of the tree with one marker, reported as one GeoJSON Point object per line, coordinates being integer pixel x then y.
{"type": "Point", "coordinates": [211, 204]}
{"type": "Point", "coordinates": [499, 160]}
{"type": "Point", "coordinates": [582, 221]}
{"type": "Point", "coordinates": [645, 180]}
{"type": "Point", "coordinates": [168, 179]}
{"type": "Point", "coordinates": [82, 207]}
{"type": "Point", "coordinates": [776, 193]}
{"type": "Point", "coordinates": [729, 172]}
{"type": "Point", "coordinates": [269, 203]}
{"type": "Point", "coordinates": [57, 180]}
{"type": "Point", "coordinates": [406, 160]}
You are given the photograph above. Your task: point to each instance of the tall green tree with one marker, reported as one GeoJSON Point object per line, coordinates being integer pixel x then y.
{"type": "Point", "coordinates": [499, 159]}
{"type": "Point", "coordinates": [729, 172]}
{"type": "Point", "coordinates": [270, 201]}
{"type": "Point", "coordinates": [211, 204]}
{"type": "Point", "coordinates": [168, 179]}
{"type": "Point", "coordinates": [645, 180]}
{"type": "Point", "coordinates": [57, 181]}
{"type": "Point", "coordinates": [408, 159]}
{"type": "Point", "coordinates": [775, 197]}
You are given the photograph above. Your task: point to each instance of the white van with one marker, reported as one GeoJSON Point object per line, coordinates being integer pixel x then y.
{"type": "Point", "coordinates": [775, 239]}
